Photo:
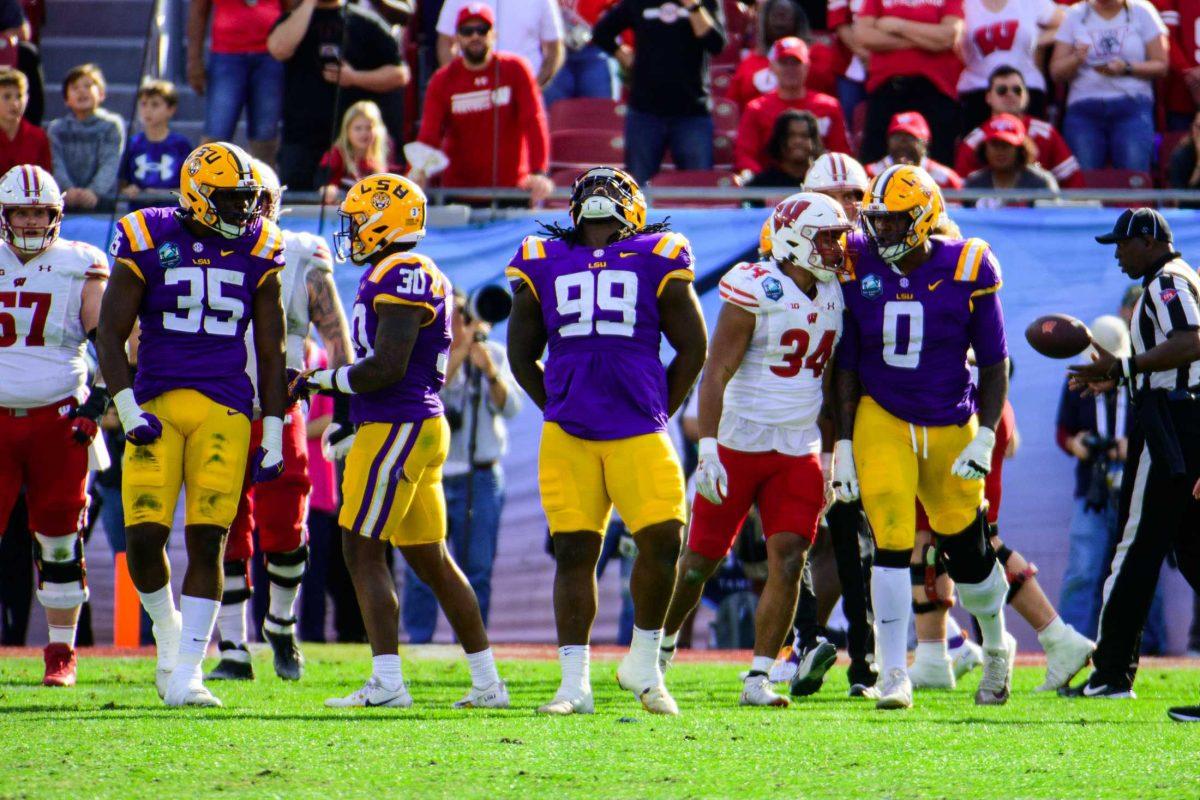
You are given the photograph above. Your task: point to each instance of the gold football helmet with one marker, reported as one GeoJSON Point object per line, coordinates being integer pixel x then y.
{"type": "Point", "coordinates": [219, 187]}
{"type": "Point", "coordinates": [764, 237]}
{"type": "Point", "coordinates": [379, 210]}
{"type": "Point", "coordinates": [900, 210]}
{"type": "Point", "coordinates": [608, 193]}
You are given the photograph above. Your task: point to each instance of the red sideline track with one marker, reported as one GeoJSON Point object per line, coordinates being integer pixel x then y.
{"type": "Point", "coordinates": [548, 652]}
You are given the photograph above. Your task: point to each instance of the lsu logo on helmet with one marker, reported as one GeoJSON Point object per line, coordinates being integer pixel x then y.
{"type": "Point", "coordinates": [380, 210]}
{"type": "Point", "coordinates": [221, 189]}
{"type": "Point", "coordinates": [901, 210]}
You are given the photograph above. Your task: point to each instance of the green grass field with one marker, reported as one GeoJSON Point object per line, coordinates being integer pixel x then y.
{"type": "Point", "coordinates": [110, 737]}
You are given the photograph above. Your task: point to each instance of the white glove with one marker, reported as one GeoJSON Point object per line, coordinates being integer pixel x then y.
{"type": "Point", "coordinates": [711, 481]}
{"type": "Point", "coordinates": [845, 476]}
{"type": "Point", "coordinates": [827, 482]}
{"type": "Point", "coordinates": [337, 450]}
{"type": "Point", "coordinates": [975, 461]}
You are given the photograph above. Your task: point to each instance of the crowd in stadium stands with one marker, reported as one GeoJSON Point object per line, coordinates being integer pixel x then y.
{"type": "Point", "coordinates": [1024, 94]}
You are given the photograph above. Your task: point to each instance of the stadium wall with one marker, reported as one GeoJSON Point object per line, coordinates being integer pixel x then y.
{"type": "Point", "coordinates": [1050, 263]}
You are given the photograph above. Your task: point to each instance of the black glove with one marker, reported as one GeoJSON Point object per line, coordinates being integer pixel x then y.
{"type": "Point", "coordinates": [86, 418]}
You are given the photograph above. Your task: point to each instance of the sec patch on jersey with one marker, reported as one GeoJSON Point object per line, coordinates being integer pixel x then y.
{"type": "Point", "coordinates": [1058, 336]}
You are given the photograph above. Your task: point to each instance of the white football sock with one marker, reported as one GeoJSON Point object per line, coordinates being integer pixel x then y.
{"type": "Point", "coordinates": [160, 607]}
{"type": "Point", "coordinates": [1053, 632]}
{"type": "Point", "coordinates": [933, 651]}
{"type": "Point", "coordinates": [63, 634]}
{"type": "Point", "coordinates": [668, 641]}
{"type": "Point", "coordinates": [199, 618]}
{"type": "Point", "coordinates": [985, 601]}
{"type": "Point", "coordinates": [387, 670]}
{"type": "Point", "coordinates": [576, 669]}
{"type": "Point", "coordinates": [483, 669]}
{"type": "Point", "coordinates": [283, 606]}
{"type": "Point", "coordinates": [762, 664]}
{"type": "Point", "coordinates": [231, 620]}
{"type": "Point", "coordinates": [643, 653]}
{"type": "Point", "coordinates": [891, 597]}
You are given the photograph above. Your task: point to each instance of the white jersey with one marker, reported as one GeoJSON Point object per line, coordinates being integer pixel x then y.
{"type": "Point", "coordinates": [304, 254]}
{"type": "Point", "coordinates": [42, 340]}
{"type": "Point", "coordinates": [773, 400]}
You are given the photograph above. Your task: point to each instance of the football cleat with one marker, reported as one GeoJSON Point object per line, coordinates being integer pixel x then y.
{"type": "Point", "coordinates": [1102, 691]}
{"type": "Point", "coordinates": [289, 663]}
{"type": "Point", "coordinates": [494, 696]}
{"type": "Point", "coordinates": [193, 693]}
{"type": "Point", "coordinates": [234, 665]}
{"type": "Point", "coordinates": [862, 690]}
{"type": "Point", "coordinates": [896, 691]}
{"type": "Point", "coordinates": [966, 657]}
{"type": "Point", "coordinates": [653, 694]}
{"type": "Point", "coordinates": [784, 668]}
{"type": "Point", "coordinates": [995, 684]}
{"type": "Point", "coordinates": [932, 673]}
{"type": "Point", "coordinates": [1184, 713]}
{"type": "Point", "coordinates": [814, 662]}
{"type": "Point", "coordinates": [372, 695]}
{"type": "Point", "coordinates": [60, 664]}
{"type": "Point", "coordinates": [561, 705]}
{"type": "Point", "coordinates": [757, 691]}
{"type": "Point", "coordinates": [1065, 658]}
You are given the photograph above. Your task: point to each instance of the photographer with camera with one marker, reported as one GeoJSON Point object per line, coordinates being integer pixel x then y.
{"type": "Point", "coordinates": [1094, 430]}
{"type": "Point", "coordinates": [479, 395]}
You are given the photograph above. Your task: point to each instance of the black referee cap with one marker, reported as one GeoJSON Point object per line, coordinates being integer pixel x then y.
{"type": "Point", "coordinates": [1138, 222]}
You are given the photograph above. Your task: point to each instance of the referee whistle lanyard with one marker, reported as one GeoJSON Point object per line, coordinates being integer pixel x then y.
{"type": "Point", "coordinates": [1102, 416]}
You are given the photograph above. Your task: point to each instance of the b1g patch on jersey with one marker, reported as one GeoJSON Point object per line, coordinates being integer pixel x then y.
{"type": "Point", "coordinates": [168, 255]}
{"type": "Point", "coordinates": [772, 288]}
{"type": "Point", "coordinates": [872, 287]}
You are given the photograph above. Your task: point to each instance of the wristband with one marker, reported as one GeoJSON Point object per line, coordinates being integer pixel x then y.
{"type": "Point", "coordinates": [337, 380]}
{"type": "Point", "coordinates": [707, 447]}
{"type": "Point", "coordinates": [127, 408]}
{"type": "Point", "coordinates": [272, 438]}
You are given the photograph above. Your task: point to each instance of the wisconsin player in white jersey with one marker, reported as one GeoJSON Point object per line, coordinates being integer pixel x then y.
{"type": "Point", "coordinates": [761, 397]}
{"type": "Point", "coordinates": [277, 509]}
{"type": "Point", "coordinates": [50, 291]}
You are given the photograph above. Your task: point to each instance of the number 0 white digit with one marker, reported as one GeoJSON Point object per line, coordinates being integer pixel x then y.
{"type": "Point", "coordinates": [893, 311]}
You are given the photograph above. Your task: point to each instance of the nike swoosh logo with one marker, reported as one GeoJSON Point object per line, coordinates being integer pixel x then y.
{"type": "Point", "coordinates": [888, 621]}
{"type": "Point", "coordinates": [226, 253]}
{"type": "Point", "coordinates": [935, 284]}
{"type": "Point", "coordinates": [1089, 692]}
{"type": "Point", "coordinates": [627, 255]}
{"type": "Point", "coordinates": [229, 412]}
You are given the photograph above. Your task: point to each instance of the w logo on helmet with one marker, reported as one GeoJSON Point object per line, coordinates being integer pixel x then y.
{"type": "Point", "coordinates": [787, 213]}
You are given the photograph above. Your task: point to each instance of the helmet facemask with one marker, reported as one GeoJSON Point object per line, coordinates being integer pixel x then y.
{"type": "Point", "coordinates": [892, 232]}
{"type": "Point", "coordinates": [31, 238]}
{"type": "Point", "coordinates": [347, 244]}
{"type": "Point", "coordinates": [603, 194]}
{"type": "Point", "coordinates": [819, 249]}
{"type": "Point", "coordinates": [231, 210]}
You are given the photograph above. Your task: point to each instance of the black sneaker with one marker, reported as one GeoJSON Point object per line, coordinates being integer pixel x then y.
{"type": "Point", "coordinates": [289, 663]}
{"type": "Point", "coordinates": [1184, 713]}
{"type": "Point", "coordinates": [234, 665]}
{"type": "Point", "coordinates": [1102, 691]}
{"type": "Point", "coordinates": [815, 661]}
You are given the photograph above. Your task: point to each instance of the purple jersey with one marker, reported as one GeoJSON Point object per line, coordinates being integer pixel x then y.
{"type": "Point", "coordinates": [414, 280]}
{"type": "Point", "coordinates": [198, 300]}
{"type": "Point", "coordinates": [907, 336]}
{"type": "Point", "coordinates": [604, 377]}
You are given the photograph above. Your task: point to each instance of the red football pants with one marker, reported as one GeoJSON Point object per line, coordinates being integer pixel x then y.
{"type": "Point", "coordinates": [276, 508]}
{"type": "Point", "coordinates": [37, 451]}
{"type": "Point", "coordinates": [788, 490]}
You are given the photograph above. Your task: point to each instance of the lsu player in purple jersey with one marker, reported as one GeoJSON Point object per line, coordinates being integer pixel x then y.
{"type": "Point", "coordinates": [913, 425]}
{"type": "Point", "coordinates": [602, 294]}
{"type": "Point", "coordinates": [392, 489]}
{"type": "Point", "coordinates": [193, 277]}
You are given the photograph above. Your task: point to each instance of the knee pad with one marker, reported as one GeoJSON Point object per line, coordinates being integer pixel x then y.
{"type": "Point", "coordinates": [969, 554]}
{"type": "Point", "coordinates": [287, 569]}
{"type": "Point", "coordinates": [61, 570]}
{"type": "Point", "coordinates": [925, 575]}
{"type": "Point", "coordinates": [237, 582]}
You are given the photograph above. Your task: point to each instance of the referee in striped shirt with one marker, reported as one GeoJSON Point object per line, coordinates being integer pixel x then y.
{"type": "Point", "coordinates": [1159, 511]}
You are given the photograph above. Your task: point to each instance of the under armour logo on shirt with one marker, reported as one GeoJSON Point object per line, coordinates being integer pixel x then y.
{"type": "Point", "coordinates": [164, 167]}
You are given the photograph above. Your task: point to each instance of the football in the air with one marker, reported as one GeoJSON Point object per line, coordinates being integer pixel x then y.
{"type": "Point", "coordinates": [1058, 336]}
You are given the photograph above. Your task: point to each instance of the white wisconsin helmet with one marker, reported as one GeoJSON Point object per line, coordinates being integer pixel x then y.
{"type": "Point", "coordinates": [835, 171]}
{"type": "Point", "coordinates": [795, 224]}
{"type": "Point", "coordinates": [271, 200]}
{"type": "Point", "coordinates": [30, 185]}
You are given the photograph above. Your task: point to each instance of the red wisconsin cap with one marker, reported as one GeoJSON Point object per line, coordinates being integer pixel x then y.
{"type": "Point", "coordinates": [1004, 128]}
{"type": "Point", "coordinates": [789, 47]}
{"type": "Point", "coordinates": [476, 11]}
{"type": "Point", "coordinates": [910, 122]}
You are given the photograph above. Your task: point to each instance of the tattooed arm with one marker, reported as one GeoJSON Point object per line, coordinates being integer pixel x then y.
{"type": "Point", "coordinates": [326, 312]}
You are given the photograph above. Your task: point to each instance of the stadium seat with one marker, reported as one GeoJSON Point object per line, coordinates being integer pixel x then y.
{"type": "Point", "coordinates": [588, 114]}
{"type": "Point", "coordinates": [725, 116]}
{"type": "Point", "coordinates": [1168, 141]}
{"type": "Point", "coordinates": [1117, 179]}
{"type": "Point", "coordinates": [721, 75]}
{"type": "Point", "coordinates": [697, 179]}
{"type": "Point", "coordinates": [723, 149]}
{"type": "Point", "coordinates": [581, 149]}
